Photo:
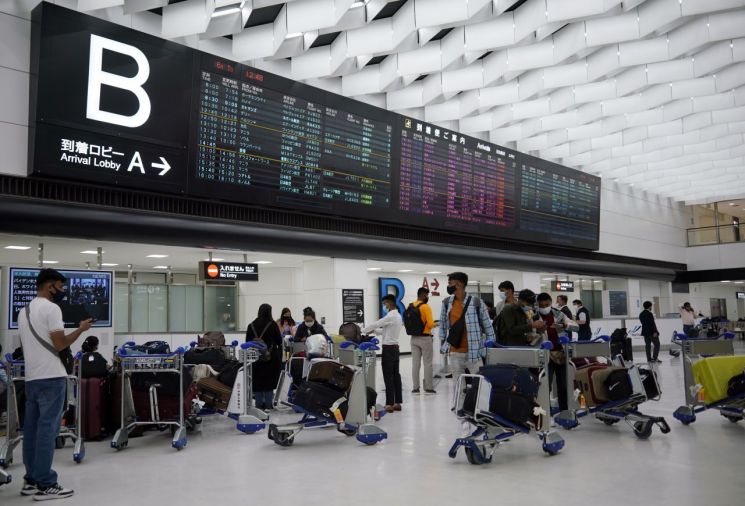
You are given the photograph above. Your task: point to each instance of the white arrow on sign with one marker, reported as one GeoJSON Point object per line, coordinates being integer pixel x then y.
{"type": "Point", "coordinates": [165, 166]}
{"type": "Point", "coordinates": [360, 313]}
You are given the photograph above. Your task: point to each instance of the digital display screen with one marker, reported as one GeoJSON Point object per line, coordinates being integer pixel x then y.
{"type": "Point", "coordinates": [257, 139]}
{"type": "Point", "coordinates": [119, 107]}
{"type": "Point", "coordinates": [88, 296]}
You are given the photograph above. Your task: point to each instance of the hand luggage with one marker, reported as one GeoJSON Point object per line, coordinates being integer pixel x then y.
{"type": "Point", "coordinates": [333, 373]}
{"type": "Point", "coordinates": [94, 408]}
{"type": "Point", "coordinates": [351, 332]}
{"type": "Point", "coordinates": [649, 380]}
{"type": "Point", "coordinates": [618, 335]}
{"type": "Point", "coordinates": [211, 338]}
{"type": "Point", "coordinates": [590, 381]}
{"type": "Point", "coordinates": [168, 382]}
{"type": "Point", "coordinates": [153, 348]}
{"type": "Point", "coordinates": [214, 393]}
{"type": "Point", "coordinates": [514, 407]}
{"type": "Point", "coordinates": [210, 356]}
{"type": "Point", "coordinates": [618, 385]}
{"type": "Point", "coordinates": [714, 373]}
{"type": "Point", "coordinates": [229, 372]}
{"type": "Point", "coordinates": [510, 378]}
{"type": "Point", "coordinates": [318, 399]}
{"type": "Point", "coordinates": [168, 408]}
{"type": "Point", "coordinates": [93, 366]}
{"type": "Point", "coordinates": [623, 348]}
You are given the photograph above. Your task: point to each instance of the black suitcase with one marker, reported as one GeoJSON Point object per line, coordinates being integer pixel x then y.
{"type": "Point", "coordinates": [649, 380]}
{"type": "Point", "coordinates": [512, 406]}
{"type": "Point", "coordinates": [318, 398]}
{"type": "Point", "coordinates": [622, 348]}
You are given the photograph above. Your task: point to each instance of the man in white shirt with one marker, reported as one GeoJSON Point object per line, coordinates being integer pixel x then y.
{"type": "Point", "coordinates": [42, 338]}
{"type": "Point", "coordinates": [390, 326]}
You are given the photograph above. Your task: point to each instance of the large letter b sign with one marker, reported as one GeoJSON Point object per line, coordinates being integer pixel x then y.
{"type": "Point", "coordinates": [97, 77]}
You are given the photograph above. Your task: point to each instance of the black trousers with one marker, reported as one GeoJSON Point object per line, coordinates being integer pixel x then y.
{"type": "Point", "coordinates": [391, 375]}
{"type": "Point", "coordinates": [560, 371]}
{"type": "Point", "coordinates": [649, 342]}
{"type": "Point", "coordinates": [584, 334]}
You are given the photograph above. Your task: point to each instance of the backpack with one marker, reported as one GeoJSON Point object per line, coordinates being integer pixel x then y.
{"type": "Point", "coordinates": [618, 385]}
{"type": "Point", "coordinates": [736, 385]}
{"type": "Point", "coordinates": [413, 320]}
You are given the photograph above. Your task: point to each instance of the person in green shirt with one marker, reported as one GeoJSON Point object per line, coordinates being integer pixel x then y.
{"type": "Point", "coordinates": [515, 328]}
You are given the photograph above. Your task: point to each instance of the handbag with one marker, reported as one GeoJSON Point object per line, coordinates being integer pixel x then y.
{"type": "Point", "coordinates": [65, 355]}
{"type": "Point", "coordinates": [266, 354]}
{"type": "Point", "coordinates": [457, 329]}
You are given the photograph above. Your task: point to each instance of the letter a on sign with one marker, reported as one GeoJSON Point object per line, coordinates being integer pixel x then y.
{"type": "Point", "coordinates": [136, 162]}
{"type": "Point", "coordinates": [97, 77]}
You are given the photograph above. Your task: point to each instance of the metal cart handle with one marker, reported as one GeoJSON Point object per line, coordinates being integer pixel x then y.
{"type": "Point", "coordinates": [122, 352]}
{"type": "Point", "coordinates": [368, 346]}
{"type": "Point", "coordinates": [565, 340]}
{"type": "Point", "coordinates": [347, 344]}
{"type": "Point", "coordinates": [253, 344]}
{"type": "Point", "coordinates": [546, 345]}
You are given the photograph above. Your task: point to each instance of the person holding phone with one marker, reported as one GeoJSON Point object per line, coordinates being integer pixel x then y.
{"type": "Point", "coordinates": [43, 338]}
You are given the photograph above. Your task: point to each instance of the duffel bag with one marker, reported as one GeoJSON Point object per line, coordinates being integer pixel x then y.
{"type": "Point", "coordinates": [511, 378]}
{"type": "Point", "coordinates": [618, 385]}
{"type": "Point", "coordinates": [514, 407]}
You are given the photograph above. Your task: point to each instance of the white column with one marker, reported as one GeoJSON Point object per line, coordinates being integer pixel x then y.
{"type": "Point", "coordinates": [531, 281]}
{"type": "Point", "coordinates": [635, 297]}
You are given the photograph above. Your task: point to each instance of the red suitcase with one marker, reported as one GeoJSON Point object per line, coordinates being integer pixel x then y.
{"type": "Point", "coordinates": [93, 409]}
{"type": "Point", "coordinates": [167, 405]}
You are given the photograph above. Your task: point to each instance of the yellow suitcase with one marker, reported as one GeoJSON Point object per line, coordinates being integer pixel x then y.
{"type": "Point", "coordinates": [713, 373]}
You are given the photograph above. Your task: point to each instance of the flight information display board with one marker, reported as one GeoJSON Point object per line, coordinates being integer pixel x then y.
{"type": "Point", "coordinates": [460, 181]}
{"type": "Point", "coordinates": [258, 139]}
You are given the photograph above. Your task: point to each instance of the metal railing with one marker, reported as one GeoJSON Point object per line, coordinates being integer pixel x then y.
{"type": "Point", "coordinates": [723, 234]}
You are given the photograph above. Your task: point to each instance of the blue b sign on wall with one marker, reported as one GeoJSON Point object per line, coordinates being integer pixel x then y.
{"type": "Point", "coordinates": [395, 287]}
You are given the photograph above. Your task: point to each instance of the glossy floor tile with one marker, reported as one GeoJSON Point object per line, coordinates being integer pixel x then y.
{"type": "Point", "coordinates": [694, 465]}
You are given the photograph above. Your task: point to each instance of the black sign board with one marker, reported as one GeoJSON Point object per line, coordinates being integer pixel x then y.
{"type": "Point", "coordinates": [563, 286]}
{"type": "Point", "coordinates": [227, 271]}
{"type": "Point", "coordinates": [740, 295]}
{"type": "Point", "coordinates": [619, 305]}
{"type": "Point", "coordinates": [115, 106]}
{"type": "Point", "coordinates": [353, 306]}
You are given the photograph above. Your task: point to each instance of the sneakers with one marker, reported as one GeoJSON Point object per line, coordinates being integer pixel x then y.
{"type": "Point", "coordinates": [29, 488]}
{"type": "Point", "coordinates": [56, 491]}
{"type": "Point", "coordinates": [415, 391]}
{"type": "Point", "coordinates": [430, 392]}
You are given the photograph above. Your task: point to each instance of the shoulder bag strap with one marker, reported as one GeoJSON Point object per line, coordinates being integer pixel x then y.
{"type": "Point", "coordinates": [44, 343]}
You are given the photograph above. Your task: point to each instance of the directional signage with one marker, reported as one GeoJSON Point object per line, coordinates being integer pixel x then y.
{"type": "Point", "coordinates": [353, 306]}
{"type": "Point", "coordinates": [563, 286]}
{"type": "Point", "coordinates": [226, 271]}
{"type": "Point", "coordinates": [432, 286]}
{"type": "Point", "coordinates": [740, 295]}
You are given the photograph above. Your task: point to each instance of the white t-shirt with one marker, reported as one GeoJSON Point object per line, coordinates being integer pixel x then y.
{"type": "Point", "coordinates": [46, 317]}
{"type": "Point", "coordinates": [391, 327]}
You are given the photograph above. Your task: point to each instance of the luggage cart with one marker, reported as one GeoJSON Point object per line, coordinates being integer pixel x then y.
{"type": "Point", "coordinates": [492, 429]}
{"type": "Point", "coordinates": [250, 418]}
{"type": "Point", "coordinates": [692, 350]}
{"type": "Point", "coordinates": [611, 412]}
{"type": "Point", "coordinates": [130, 364]}
{"type": "Point", "coordinates": [351, 354]}
{"type": "Point", "coordinates": [15, 370]}
{"type": "Point", "coordinates": [357, 421]}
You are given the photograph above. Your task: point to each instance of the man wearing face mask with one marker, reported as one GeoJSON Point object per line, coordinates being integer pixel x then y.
{"type": "Point", "coordinates": [506, 295]}
{"type": "Point", "coordinates": [463, 323]}
{"type": "Point", "coordinates": [309, 327]}
{"type": "Point", "coordinates": [43, 337]}
{"type": "Point", "coordinates": [583, 321]}
{"type": "Point", "coordinates": [390, 326]}
{"type": "Point", "coordinates": [517, 329]}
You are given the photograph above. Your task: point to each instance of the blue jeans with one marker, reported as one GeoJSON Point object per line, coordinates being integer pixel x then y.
{"type": "Point", "coordinates": [44, 402]}
{"type": "Point", "coordinates": [264, 400]}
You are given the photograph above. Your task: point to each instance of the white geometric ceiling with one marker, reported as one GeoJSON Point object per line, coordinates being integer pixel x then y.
{"type": "Point", "coordinates": [645, 92]}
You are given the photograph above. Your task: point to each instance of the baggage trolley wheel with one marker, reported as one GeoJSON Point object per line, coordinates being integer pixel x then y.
{"type": "Point", "coordinates": [59, 442]}
{"type": "Point", "coordinates": [643, 429]}
{"type": "Point", "coordinates": [78, 457]}
{"type": "Point", "coordinates": [179, 445]}
{"type": "Point", "coordinates": [685, 415]}
{"type": "Point", "coordinates": [609, 421]}
{"type": "Point", "coordinates": [473, 457]}
{"type": "Point", "coordinates": [282, 438]}
{"type": "Point", "coordinates": [347, 432]}
{"type": "Point", "coordinates": [5, 463]}
{"type": "Point", "coordinates": [119, 446]}
{"type": "Point", "coordinates": [733, 419]}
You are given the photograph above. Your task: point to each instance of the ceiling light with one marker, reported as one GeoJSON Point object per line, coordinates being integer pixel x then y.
{"type": "Point", "coordinates": [109, 265]}
{"type": "Point", "coordinates": [262, 262]}
{"type": "Point", "coordinates": [547, 279]}
{"type": "Point", "coordinates": [19, 248]}
{"type": "Point", "coordinates": [50, 262]}
{"type": "Point", "coordinates": [739, 282]}
{"type": "Point", "coordinates": [160, 267]}
{"type": "Point", "coordinates": [404, 270]}
{"type": "Point", "coordinates": [214, 259]}
{"type": "Point", "coordinates": [374, 268]}
{"type": "Point", "coordinates": [157, 256]}
{"type": "Point", "coordinates": [90, 252]}
{"type": "Point", "coordinates": [728, 281]}
{"type": "Point", "coordinates": [434, 272]}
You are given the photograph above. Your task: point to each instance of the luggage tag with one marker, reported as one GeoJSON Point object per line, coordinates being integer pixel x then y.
{"type": "Point", "coordinates": [336, 411]}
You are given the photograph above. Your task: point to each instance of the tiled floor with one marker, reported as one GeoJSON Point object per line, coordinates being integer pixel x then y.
{"type": "Point", "coordinates": [694, 465]}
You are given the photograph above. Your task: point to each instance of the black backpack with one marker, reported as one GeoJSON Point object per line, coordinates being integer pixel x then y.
{"type": "Point", "coordinates": [413, 321]}
{"type": "Point", "coordinates": [736, 385]}
{"type": "Point", "coordinates": [618, 385]}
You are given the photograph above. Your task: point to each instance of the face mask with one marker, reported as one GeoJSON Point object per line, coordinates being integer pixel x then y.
{"type": "Point", "coordinates": [502, 296]}
{"type": "Point", "coordinates": [451, 290]}
{"type": "Point", "coordinates": [576, 308]}
{"type": "Point", "coordinates": [526, 309]}
{"type": "Point", "coordinates": [310, 323]}
{"type": "Point", "coordinates": [544, 310]}
{"type": "Point", "coordinates": [58, 296]}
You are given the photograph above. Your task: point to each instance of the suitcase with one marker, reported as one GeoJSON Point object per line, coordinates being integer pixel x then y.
{"type": "Point", "coordinates": [168, 381]}
{"type": "Point", "coordinates": [714, 373]}
{"type": "Point", "coordinates": [649, 381]}
{"type": "Point", "coordinates": [514, 407]}
{"type": "Point", "coordinates": [581, 363]}
{"type": "Point", "coordinates": [623, 348]}
{"type": "Point", "coordinates": [213, 393]}
{"type": "Point", "coordinates": [590, 382]}
{"type": "Point", "coordinates": [511, 378]}
{"type": "Point", "coordinates": [94, 408]}
{"type": "Point", "coordinates": [318, 398]}
{"type": "Point", "coordinates": [167, 404]}
{"type": "Point", "coordinates": [333, 373]}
